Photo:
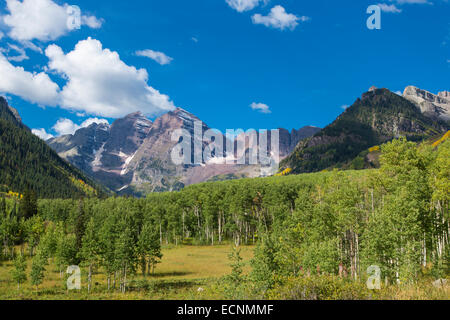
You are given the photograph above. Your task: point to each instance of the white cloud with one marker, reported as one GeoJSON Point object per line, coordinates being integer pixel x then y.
{"type": "Point", "coordinates": [261, 107]}
{"type": "Point", "coordinates": [1, 35]}
{"type": "Point", "coordinates": [278, 18]}
{"type": "Point", "coordinates": [244, 5]}
{"type": "Point", "coordinates": [33, 87]}
{"type": "Point", "coordinates": [345, 107]}
{"type": "Point", "coordinates": [17, 58]}
{"type": "Point", "coordinates": [43, 20]}
{"type": "Point", "coordinates": [394, 7]}
{"type": "Point", "coordinates": [92, 22]}
{"type": "Point", "coordinates": [90, 121]}
{"type": "Point", "coordinates": [157, 56]}
{"type": "Point", "coordinates": [100, 83]}
{"type": "Point", "coordinates": [66, 126]}
{"type": "Point", "coordinates": [389, 8]}
{"type": "Point", "coordinates": [194, 39]}
{"type": "Point", "coordinates": [41, 133]}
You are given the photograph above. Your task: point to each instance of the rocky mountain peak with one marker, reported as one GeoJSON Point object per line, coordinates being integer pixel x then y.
{"type": "Point", "coordinates": [444, 94]}
{"type": "Point", "coordinates": [15, 113]}
{"type": "Point", "coordinates": [431, 105]}
{"type": "Point", "coordinates": [184, 115]}
{"type": "Point", "coordinates": [137, 114]}
{"type": "Point", "coordinates": [4, 104]}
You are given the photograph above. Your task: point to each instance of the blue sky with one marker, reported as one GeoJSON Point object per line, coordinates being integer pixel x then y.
{"type": "Point", "coordinates": [233, 63]}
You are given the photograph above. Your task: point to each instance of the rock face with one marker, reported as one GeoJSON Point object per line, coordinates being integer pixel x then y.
{"type": "Point", "coordinates": [16, 114]}
{"type": "Point", "coordinates": [104, 151]}
{"type": "Point", "coordinates": [444, 94]}
{"type": "Point", "coordinates": [134, 155]}
{"type": "Point", "coordinates": [375, 118]}
{"type": "Point", "coordinates": [10, 112]}
{"type": "Point", "coordinates": [431, 105]}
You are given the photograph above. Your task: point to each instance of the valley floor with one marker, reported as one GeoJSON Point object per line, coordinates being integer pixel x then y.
{"type": "Point", "coordinates": [186, 273]}
{"type": "Point", "coordinates": [184, 269]}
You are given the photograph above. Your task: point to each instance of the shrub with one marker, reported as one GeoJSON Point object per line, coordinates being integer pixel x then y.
{"type": "Point", "coordinates": [323, 287]}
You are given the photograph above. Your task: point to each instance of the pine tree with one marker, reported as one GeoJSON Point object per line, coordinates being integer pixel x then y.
{"type": "Point", "coordinates": [28, 205]}
{"type": "Point", "coordinates": [2, 208]}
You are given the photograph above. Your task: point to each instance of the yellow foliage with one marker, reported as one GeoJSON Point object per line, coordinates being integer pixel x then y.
{"type": "Point", "coordinates": [80, 184]}
{"type": "Point", "coordinates": [284, 173]}
{"type": "Point", "coordinates": [374, 149]}
{"type": "Point", "coordinates": [445, 137]}
{"type": "Point", "coordinates": [16, 195]}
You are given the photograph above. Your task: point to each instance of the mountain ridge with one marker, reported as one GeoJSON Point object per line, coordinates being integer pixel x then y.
{"type": "Point", "coordinates": [377, 117]}
{"type": "Point", "coordinates": [32, 165]}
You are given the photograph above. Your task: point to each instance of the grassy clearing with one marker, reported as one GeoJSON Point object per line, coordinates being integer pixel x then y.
{"type": "Point", "coordinates": [183, 271]}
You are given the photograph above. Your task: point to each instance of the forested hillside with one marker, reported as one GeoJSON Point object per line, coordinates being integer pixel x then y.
{"type": "Point", "coordinates": [27, 163]}
{"type": "Point", "coordinates": [377, 117]}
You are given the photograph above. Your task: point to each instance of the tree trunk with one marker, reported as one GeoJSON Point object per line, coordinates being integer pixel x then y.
{"type": "Point", "coordinates": [125, 279]}
{"type": "Point", "coordinates": [90, 278]}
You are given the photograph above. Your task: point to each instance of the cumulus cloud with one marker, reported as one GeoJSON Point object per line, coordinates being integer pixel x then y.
{"type": "Point", "coordinates": [66, 126]}
{"type": "Point", "coordinates": [92, 22]}
{"type": "Point", "coordinates": [41, 133]}
{"type": "Point", "coordinates": [33, 87]}
{"type": "Point", "coordinates": [100, 83]}
{"type": "Point", "coordinates": [261, 107]}
{"type": "Point", "coordinates": [278, 18]}
{"type": "Point", "coordinates": [43, 20]}
{"type": "Point", "coordinates": [157, 56]}
{"type": "Point", "coordinates": [244, 5]}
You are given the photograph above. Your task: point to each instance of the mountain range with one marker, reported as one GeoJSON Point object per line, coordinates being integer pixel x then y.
{"type": "Point", "coordinates": [133, 155]}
